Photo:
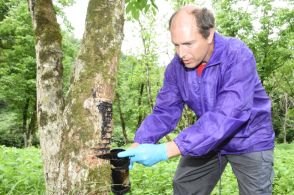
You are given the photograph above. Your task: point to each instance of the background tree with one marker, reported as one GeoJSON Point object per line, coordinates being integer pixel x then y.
{"type": "Point", "coordinates": [231, 20]}
{"type": "Point", "coordinates": [140, 76]}
{"type": "Point", "coordinates": [273, 47]}
{"type": "Point", "coordinates": [268, 31]}
{"type": "Point", "coordinates": [17, 71]}
{"type": "Point", "coordinates": [18, 74]}
{"type": "Point", "coordinates": [279, 71]}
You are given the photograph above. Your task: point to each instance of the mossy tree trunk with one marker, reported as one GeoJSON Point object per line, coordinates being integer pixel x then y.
{"type": "Point", "coordinates": [76, 127]}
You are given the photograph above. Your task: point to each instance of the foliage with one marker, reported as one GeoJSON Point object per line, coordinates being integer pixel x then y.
{"type": "Point", "coordinates": [180, 3]}
{"type": "Point", "coordinates": [8, 130]}
{"type": "Point", "coordinates": [268, 31]}
{"type": "Point", "coordinates": [18, 70]}
{"type": "Point", "coordinates": [153, 180]}
{"type": "Point", "coordinates": [17, 67]}
{"type": "Point", "coordinates": [134, 104]}
{"type": "Point", "coordinates": [3, 9]}
{"type": "Point", "coordinates": [135, 7]}
{"type": "Point", "coordinates": [232, 21]}
{"type": "Point", "coordinates": [21, 173]}
{"type": "Point", "coordinates": [70, 49]}
{"type": "Point", "coordinates": [284, 177]}
{"type": "Point", "coordinates": [273, 48]}
{"type": "Point", "coordinates": [139, 79]}
{"type": "Point", "coordinates": [282, 93]}
{"type": "Point", "coordinates": [280, 83]}
{"type": "Point", "coordinates": [158, 179]}
{"type": "Point", "coordinates": [66, 2]}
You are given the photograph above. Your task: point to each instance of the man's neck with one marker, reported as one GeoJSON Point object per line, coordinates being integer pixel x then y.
{"type": "Point", "coordinates": [209, 53]}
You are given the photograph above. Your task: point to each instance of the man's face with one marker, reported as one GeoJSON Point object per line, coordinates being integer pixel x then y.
{"type": "Point", "coordinates": [190, 45]}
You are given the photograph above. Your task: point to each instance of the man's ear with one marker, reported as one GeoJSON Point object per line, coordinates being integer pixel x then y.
{"type": "Point", "coordinates": [211, 35]}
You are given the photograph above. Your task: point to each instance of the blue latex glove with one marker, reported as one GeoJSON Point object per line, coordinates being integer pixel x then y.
{"type": "Point", "coordinates": [146, 154]}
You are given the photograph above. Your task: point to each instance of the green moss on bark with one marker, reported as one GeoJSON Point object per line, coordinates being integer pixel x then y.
{"type": "Point", "coordinates": [99, 47]}
{"type": "Point", "coordinates": [101, 173]}
{"type": "Point", "coordinates": [43, 118]}
{"type": "Point", "coordinates": [102, 42]}
{"type": "Point", "coordinates": [47, 27]}
{"type": "Point", "coordinates": [49, 74]}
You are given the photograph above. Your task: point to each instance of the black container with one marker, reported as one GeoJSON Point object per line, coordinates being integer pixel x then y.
{"type": "Point", "coordinates": [119, 172]}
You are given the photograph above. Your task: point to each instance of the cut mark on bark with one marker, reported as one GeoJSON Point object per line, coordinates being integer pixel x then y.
{"type": "Point", "coordinates": [101, 148]}
{"type": "Point", "coordinates": [105, 109]}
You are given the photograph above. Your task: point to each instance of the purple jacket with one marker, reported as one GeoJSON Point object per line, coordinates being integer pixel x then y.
{"type": "Point", "coordinates": [233, 109]}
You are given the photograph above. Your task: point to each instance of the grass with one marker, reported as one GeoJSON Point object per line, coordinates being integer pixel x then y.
{"type": "Point", "coordinates": [21, 173]}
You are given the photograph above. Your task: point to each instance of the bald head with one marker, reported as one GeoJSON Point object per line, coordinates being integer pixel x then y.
{"type": "Point", "coordinates": [188, 8]}
{"type": "Point", "coordinates": [203, 19]}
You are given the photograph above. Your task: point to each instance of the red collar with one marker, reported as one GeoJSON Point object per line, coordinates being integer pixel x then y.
{"type": "Point", "coordinates": [200, 68]}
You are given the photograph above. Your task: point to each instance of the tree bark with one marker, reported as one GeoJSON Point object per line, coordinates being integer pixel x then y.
{"type": "Point", "coordinates": [75, 128]}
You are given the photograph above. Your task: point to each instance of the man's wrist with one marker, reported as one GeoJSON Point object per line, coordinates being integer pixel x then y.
{"type": "Point", "coordinates": [134, 145]}
{"type": "Point", "coordinates": [172, 149]}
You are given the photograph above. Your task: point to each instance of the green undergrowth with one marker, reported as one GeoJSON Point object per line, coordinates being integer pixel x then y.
{"type": "Point", "coordinates": [21, 173]}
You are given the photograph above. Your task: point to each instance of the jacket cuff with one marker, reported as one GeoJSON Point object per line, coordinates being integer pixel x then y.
{"type": "Point", "coordinates": [180, 144]}
{"type": "Point", "coordinates": [143, 141]}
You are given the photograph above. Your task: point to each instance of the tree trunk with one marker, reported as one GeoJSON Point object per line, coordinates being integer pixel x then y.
{"type": "Point", "coordinates": [147, 66]}
{"type": "Point", "coordinates": [75, 128]}
{"type": "Point", "coordinates": [24, 120]}
{"type": "Point", "coordinates": [140, 116]}
{"type": "Point", "coordinates": [122, 120]}
{"type": "Point", "coordinates": [149, 91]}
{"type": "Point", "coordinates": [285, 118]}
{"type": "Point", "coordinates": [32, 127]}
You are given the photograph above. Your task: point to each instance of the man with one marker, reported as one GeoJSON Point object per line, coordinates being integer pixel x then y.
{"type": "Point", "coordinates": [216, 77]}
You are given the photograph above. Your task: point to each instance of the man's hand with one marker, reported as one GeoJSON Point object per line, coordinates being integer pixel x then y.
{"type": "Point", "coordinates": [146, 154]}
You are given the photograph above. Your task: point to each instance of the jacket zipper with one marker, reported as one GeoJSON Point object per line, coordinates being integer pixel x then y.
{"type": "Point", "coordinates": [201, 90]}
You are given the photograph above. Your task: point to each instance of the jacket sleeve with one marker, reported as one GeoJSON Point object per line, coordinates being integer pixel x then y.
{"type": "Point", "coordinates": [234, 101]}
{"type": "Point", "coordinates": [166, 113]}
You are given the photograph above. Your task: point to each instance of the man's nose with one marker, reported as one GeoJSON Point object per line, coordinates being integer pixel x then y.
{"type": "Point", "coordinates": [181, 52]}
